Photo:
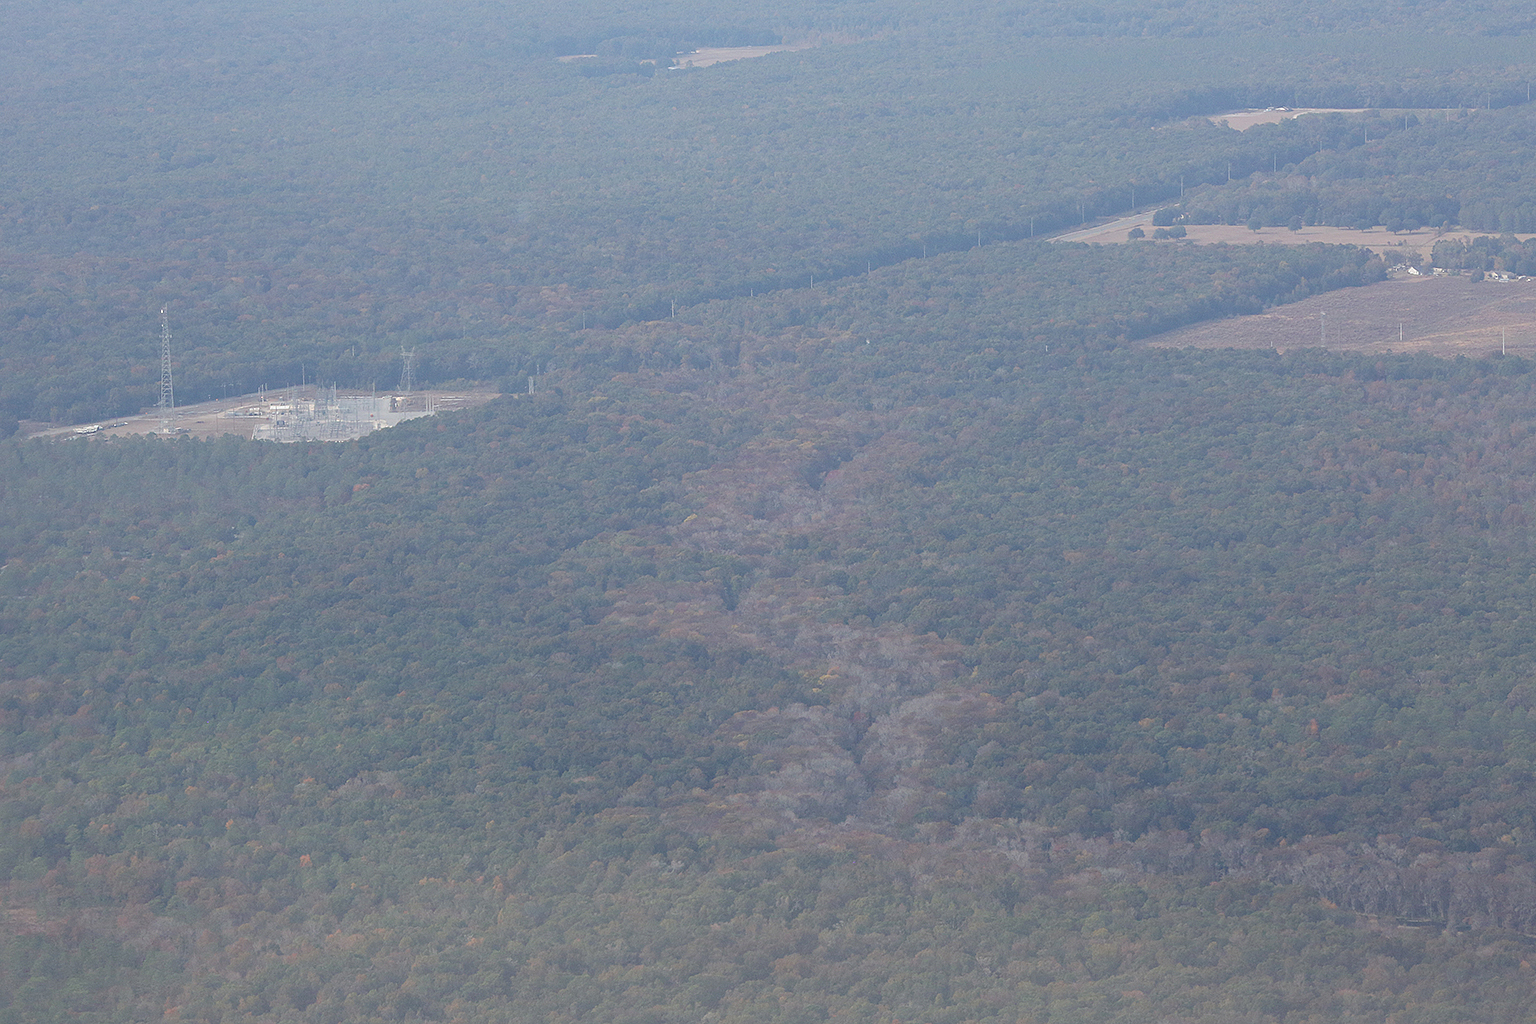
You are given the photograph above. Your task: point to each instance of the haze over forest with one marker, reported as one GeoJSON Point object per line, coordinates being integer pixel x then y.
{"type": "Point", "coordinates": [858, 606]}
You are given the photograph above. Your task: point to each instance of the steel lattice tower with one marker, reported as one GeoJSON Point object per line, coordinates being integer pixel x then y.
{"type": "Point", "coordinates": [407, 369]}
{"type": "Point", "coordinates": [167, 392]}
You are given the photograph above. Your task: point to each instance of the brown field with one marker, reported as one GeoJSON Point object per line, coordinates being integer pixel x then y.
{"type": "Point", "coordinates": [710, 55]}
{"type": "Point", "coordinates": [1442, 316]}
{"type": "Point", "coordinates": [1242, 120]}
{"type": "Point", "coordinates": [703, 58]}
{"type": "Point", "coordinates": [1378, 240]}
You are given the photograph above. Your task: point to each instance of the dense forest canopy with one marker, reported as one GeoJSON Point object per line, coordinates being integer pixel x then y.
{"type": "Point", "coordinates": [311, 190]}
{"type": "Point", "coordinates": [857, 621]}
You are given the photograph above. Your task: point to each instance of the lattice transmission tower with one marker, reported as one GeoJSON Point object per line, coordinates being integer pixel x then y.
{"type": "Point", "coordinates": [407, 369]}
{"type": "Point", "coordinates": [167, 403]}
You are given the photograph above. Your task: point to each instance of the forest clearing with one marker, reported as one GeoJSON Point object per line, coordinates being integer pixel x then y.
{"type": "Point", "coordinates": [244, 416]}
{"type": "Point", "coordinates": [1392, 247]}
{"type": "Point", "coordinates": [707, 56]}
{"type": "Point", "coordinates": [1242, 120]}
{"type": "Point", "coordinates": [1387, 244]}
{"type": "Point", "coordinates": [1442, 316]}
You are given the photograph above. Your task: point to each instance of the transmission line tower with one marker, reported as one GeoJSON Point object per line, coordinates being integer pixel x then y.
{"type": "Point", "coordinates": [167, 392]}
{"type": "Point", "coordinates": [407, 369]}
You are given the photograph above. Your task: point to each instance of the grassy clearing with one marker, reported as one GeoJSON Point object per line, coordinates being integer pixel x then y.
{"type": "Point", "coordinates": [1443, 316]}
